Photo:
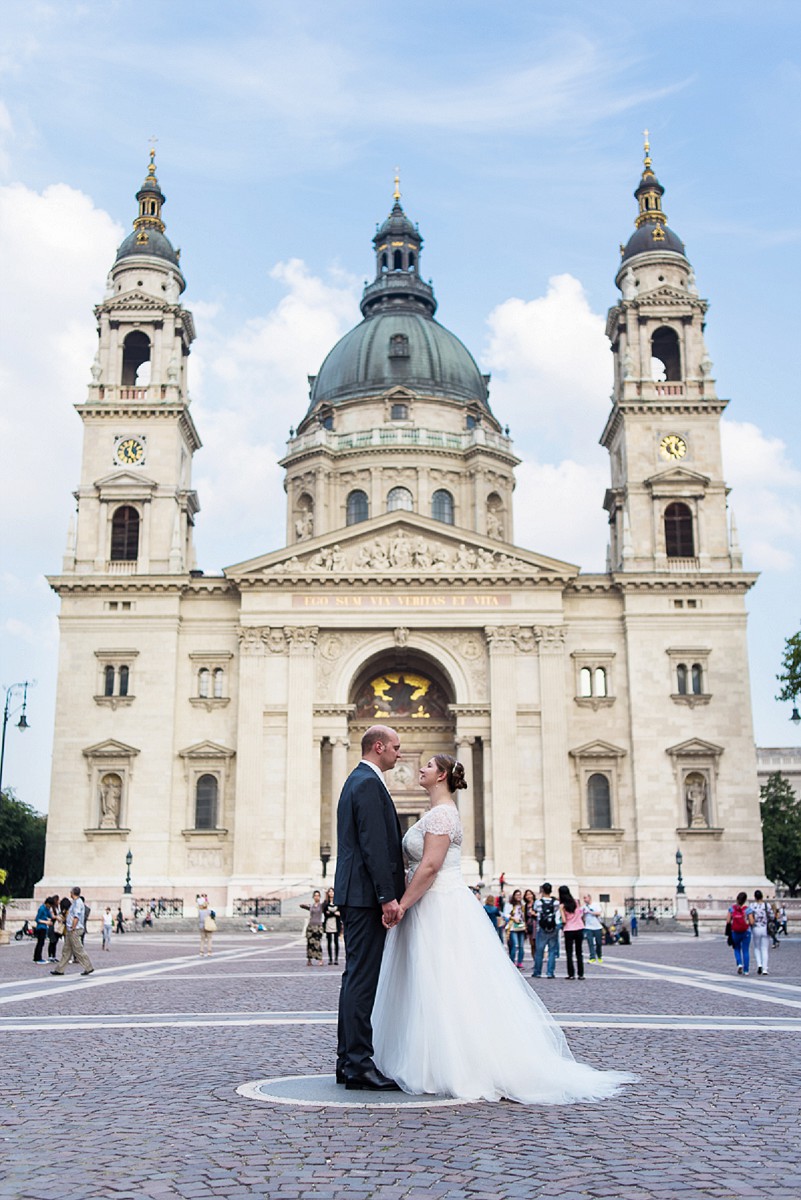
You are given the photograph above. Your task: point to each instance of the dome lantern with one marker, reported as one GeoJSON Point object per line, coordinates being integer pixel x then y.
{"type": "Point", "coordinates": [652, 233]}
{"type": "Point", "coordinates": [148, 237]}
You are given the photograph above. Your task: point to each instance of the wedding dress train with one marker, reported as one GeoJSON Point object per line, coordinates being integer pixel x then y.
{"type": "Point", "coordinates": [452, 1015]}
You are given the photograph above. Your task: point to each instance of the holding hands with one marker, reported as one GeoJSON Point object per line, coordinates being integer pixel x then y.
{"type": "Point", "coordinates": [392, 913]}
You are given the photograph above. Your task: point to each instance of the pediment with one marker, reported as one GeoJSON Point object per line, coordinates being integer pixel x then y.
{"type": "Point", "coordinates": [400, 545]}
{"type": "Point", "coordinates": [125, 480]}
{"type": "Point", "coordinates": [110, 748]}
{"type": "Point", "coordinates": [675, 476]}
{"type": "Point", "coordinates": [695, 747]}
{"type": "Point", "coordinates": [136, 298]}
{"type": "Point", "coordinates": [597, 749]}
{"type": "Point", "coordinates": [206, 749]}
{"type": "Point", "coordinates": [668, 294]}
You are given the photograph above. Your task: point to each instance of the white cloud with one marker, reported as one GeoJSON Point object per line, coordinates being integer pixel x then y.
{"type": "Point", "coordinates": [766, 495]}
{"type": "Point", "coordinates": [551, 367]}
{"type": "Point", "coordinates": [558, 511]}
{"type": "Point", "coordinates": [253, 387]}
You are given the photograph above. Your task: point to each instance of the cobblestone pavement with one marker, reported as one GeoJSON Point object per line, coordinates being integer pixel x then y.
{"type": "Point", "coordinates": [123, 1085]}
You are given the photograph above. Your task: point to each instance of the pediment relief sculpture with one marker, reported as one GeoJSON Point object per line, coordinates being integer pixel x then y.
{"type": "Point", "coordinates": [402, 552]}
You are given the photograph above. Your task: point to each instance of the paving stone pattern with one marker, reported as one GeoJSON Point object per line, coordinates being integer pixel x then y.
{"type": "Point", "coordinates": [132, 1113]}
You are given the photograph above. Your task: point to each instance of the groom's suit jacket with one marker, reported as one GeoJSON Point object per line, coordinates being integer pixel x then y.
{"type": "Point", "coordinates": [369, 855]}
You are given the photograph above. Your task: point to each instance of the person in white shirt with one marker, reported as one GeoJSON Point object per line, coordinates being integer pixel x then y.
{"type": "Point", "coordinates": [108, 922]}
{"type": "Point", "coordinates": [593, 929]}
{"type": "Point", "coordinates": [75, 925]}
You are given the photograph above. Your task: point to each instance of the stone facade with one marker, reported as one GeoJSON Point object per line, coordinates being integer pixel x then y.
{"type": "Point", "coordinates": [207, 722]}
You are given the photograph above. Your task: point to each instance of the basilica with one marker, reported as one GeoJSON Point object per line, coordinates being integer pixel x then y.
{"type": "Point", "coordinates": [205, 723]}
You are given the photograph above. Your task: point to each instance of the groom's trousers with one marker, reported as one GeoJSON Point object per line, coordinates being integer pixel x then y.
{"type": "Point", "coordinates": [364, 945]}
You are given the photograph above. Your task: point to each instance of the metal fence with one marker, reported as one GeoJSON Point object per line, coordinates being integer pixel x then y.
{"type": "Point", "coordinates": [648, 909]}
{"type": "Point", "coordinates": [161, 907]}
{"type": "Point", "coordinates": [258, 906]}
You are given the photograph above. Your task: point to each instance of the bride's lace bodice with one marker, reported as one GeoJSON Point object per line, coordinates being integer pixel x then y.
{"type": "Point", "coordinates": [442, 818]}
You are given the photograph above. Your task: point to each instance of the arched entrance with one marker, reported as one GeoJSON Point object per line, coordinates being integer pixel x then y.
{"type": "Point", "coordinates": [413, 695]}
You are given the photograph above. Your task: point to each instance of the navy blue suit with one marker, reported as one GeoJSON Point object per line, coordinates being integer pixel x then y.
{"type": "Point", "coordinates": [369, 873]}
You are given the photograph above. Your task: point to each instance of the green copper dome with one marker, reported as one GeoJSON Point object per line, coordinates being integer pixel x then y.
{"type": "Point", "coordinates": [398, 343]}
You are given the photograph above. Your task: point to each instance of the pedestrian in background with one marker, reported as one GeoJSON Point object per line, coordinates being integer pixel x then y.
{"type": "Point", "coordinates": [332, 924]}
{"type": "Point", "coordinates": [694, 919]}
{"type": "Point", "coordinates": [108, 922]}
{"type": "Point", "coordinates": [75, 925]}
{"type": "Point", "coordinates": [56, 929]}
{"type": "Point", "coordinates": [593, 928]}
{"type": "Point", "coordinates": [120, 921]}
{"type": "Point", "coordinates": [516, 927]}
{"type": "Point", "coordinates": [43, 919]}
{"type": "Point", "coordinates": [782, 920]}
{"type": "Point", "coordinates": [494, 914]}
{"type": "Point", "coordinates": [207, 932]}
{"type": "Point", "coordinates": [529, 901]}
{"type": "Point", "coordinates": [573, 929]}
{"type": "Point", "coordinates": [739, 925]}
{"type": "Point", "coordinates": [547, 939]}
{"type": "Point", "coordinates": [634, 924]}
{"type": "Point", "coordinates": [314, 930]}
{"type": "Point", "coordinates": [762, 916]}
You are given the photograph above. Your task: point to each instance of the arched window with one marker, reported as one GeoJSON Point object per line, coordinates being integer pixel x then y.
{"type": "Point", "coordinates": [411, 262]}
{"type": "Point", "coordinates": [665, 349]}
{"type": "Point", "coordinates": [679, 541]}
{"type": "Point", "coordinates": [206, 802]}
{"type": "Point", "coordinates": [599, 802]}
{"type": "Point", "coordinates": [698, 679]}
{"type": "Point", "coordinates": [600, 681]}
{"type": "Point", "coordinates": [108, 681]}
{"type": "Point", "coordinates": [357, 508]}
{"type": "Point", "coordinates": [203, 683]}
{"type": "Point", "coordinates": [135, 352]}
{"type": "Point", "coordinates": [397, 261]}
{"type": "Point", "coordinates": [400, 498]}
{"type": "Point", "coordinates": [585, 681]}
{"type": "Point", "coordinates": [124, 674]}
{"type": "Point", "coordinates": [125, 534]}
{"type": "Point", "coordinates": [681, 679]}
{"type": "Point", "coordinates": [442, 506]}
{"type": "Point", "coordinates": [384, 262]}
{"type": "Point", "coordinates": [218, 683]}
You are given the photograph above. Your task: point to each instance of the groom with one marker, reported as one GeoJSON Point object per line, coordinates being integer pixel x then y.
{"type": "Point", "coordinates": [368, 884]}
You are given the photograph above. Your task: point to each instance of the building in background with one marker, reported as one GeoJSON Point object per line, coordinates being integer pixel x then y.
{"type": "Point", "coordinates": [780, 760]}
{"type": "Point", "coordinates": [207, 722]}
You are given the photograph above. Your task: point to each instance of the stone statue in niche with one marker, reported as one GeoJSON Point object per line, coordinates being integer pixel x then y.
{"type": "Point", "coordinates": [110, 801]}
{"type": "Point", "coordinates": [494, 525]}
{"type": "Point", "coordinates": [304, 525]}
{"type": "Point", "coordinates": [695, 796]}
{"type": "Point", "coordinates": [628, 364]}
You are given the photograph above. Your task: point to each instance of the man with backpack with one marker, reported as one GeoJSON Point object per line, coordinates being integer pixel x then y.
{"type": "Point", "coordinates": [547, 938]}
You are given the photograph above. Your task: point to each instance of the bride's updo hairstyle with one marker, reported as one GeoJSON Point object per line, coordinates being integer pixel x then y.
{"type": "Point", "coordinates": [454, 771]}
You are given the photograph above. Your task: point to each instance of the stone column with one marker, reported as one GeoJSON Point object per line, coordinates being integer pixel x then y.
{"type": "Point", "coordinates": [339, 773]}
{"type": "Point", "coordinates": [489, 834]}
{"type": "Point", "coordinates": [557, 824]}
{"type": "Point", "coordinates": [465, 800]}
{"type": "Point", "coordinates": [505, 803]}
{"type": "Point", "coordinates": [302, 811]}
{"type": "Point", "coordinates": [248, 856]}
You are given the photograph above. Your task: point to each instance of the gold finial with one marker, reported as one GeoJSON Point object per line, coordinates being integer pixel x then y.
{"type": "Point", "coordinates": [396, 194]}
{"type": "Point", "coordinates": [647, 149]}
{"type": "Point", "coordinates": [151, 170]}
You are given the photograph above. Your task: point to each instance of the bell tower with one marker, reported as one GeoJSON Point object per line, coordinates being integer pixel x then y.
{"type": "Point", "coordinates": [667, 500]}
{"type": "Point", "coordinates": [136, 506]}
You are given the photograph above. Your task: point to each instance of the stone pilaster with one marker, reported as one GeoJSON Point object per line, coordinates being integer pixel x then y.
{"type": "Point", "coordinates": [302, 821]}
{"type": "Point", "coordinates": [248, 859]}
{"type": "Point", "coordinates": [555, 759]}
{"type": "Point", "coordinates": [503, 726]}
{"type": "Point", "coordinates": [466, 801]}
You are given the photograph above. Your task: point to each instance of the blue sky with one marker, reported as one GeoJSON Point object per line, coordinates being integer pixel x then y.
{"type": "Point", "coordinates": [517, 129]}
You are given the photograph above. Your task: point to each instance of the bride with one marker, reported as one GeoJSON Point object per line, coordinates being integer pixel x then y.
{"type": "Point", "coordinates": [444, 970]}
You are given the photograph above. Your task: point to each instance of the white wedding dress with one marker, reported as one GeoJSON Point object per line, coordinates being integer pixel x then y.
{"type": "Point", "coordinates": [452, 1014]}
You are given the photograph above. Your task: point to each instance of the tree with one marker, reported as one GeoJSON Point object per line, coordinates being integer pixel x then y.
{"type": "Point", "coordinates": [22, 844]}
{"type": "Point", "coordinates": [781, 832]}
{"type": "Point", "coordinates": [790, 678]}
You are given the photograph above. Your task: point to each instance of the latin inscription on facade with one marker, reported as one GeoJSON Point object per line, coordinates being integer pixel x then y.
{"type": "Point", "coordinates": [497, 600]}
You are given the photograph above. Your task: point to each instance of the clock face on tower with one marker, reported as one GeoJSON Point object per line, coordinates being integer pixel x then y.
{"type": "Point", "coordinates": [672, 446]}
{"type": "Point", "coordinates": [129, 451]}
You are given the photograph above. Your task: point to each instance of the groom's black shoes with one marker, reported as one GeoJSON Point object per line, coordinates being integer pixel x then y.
{"type": "Point", "coordinates": [370, 1080]}
{"type": "Point", "coordinates": [341, 1076]}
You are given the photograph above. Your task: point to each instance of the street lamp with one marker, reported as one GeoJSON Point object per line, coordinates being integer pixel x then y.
{"type": "Point", "coordinates": [8, 712]}
{"type": "Point", "coordinates": [795, 716]}
{"type": "Point", "coordinates": [480, 859]}
{"type": "Point", "coordinates": [680, 884]}
{"type": "Point", "coordinates": [325, 857]}
{"type": "Point", "coordinates": [128, 861]}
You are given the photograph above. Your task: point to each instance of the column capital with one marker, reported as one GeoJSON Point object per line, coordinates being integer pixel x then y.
{"type": "Point", "coordinates": [550, 637]}
{"type": "Point", "coordinates": [250, 639]}
{"type": "Point", "coordinates": [301, 637]}
{"type": "Point", "coordinates": [509, 638]}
